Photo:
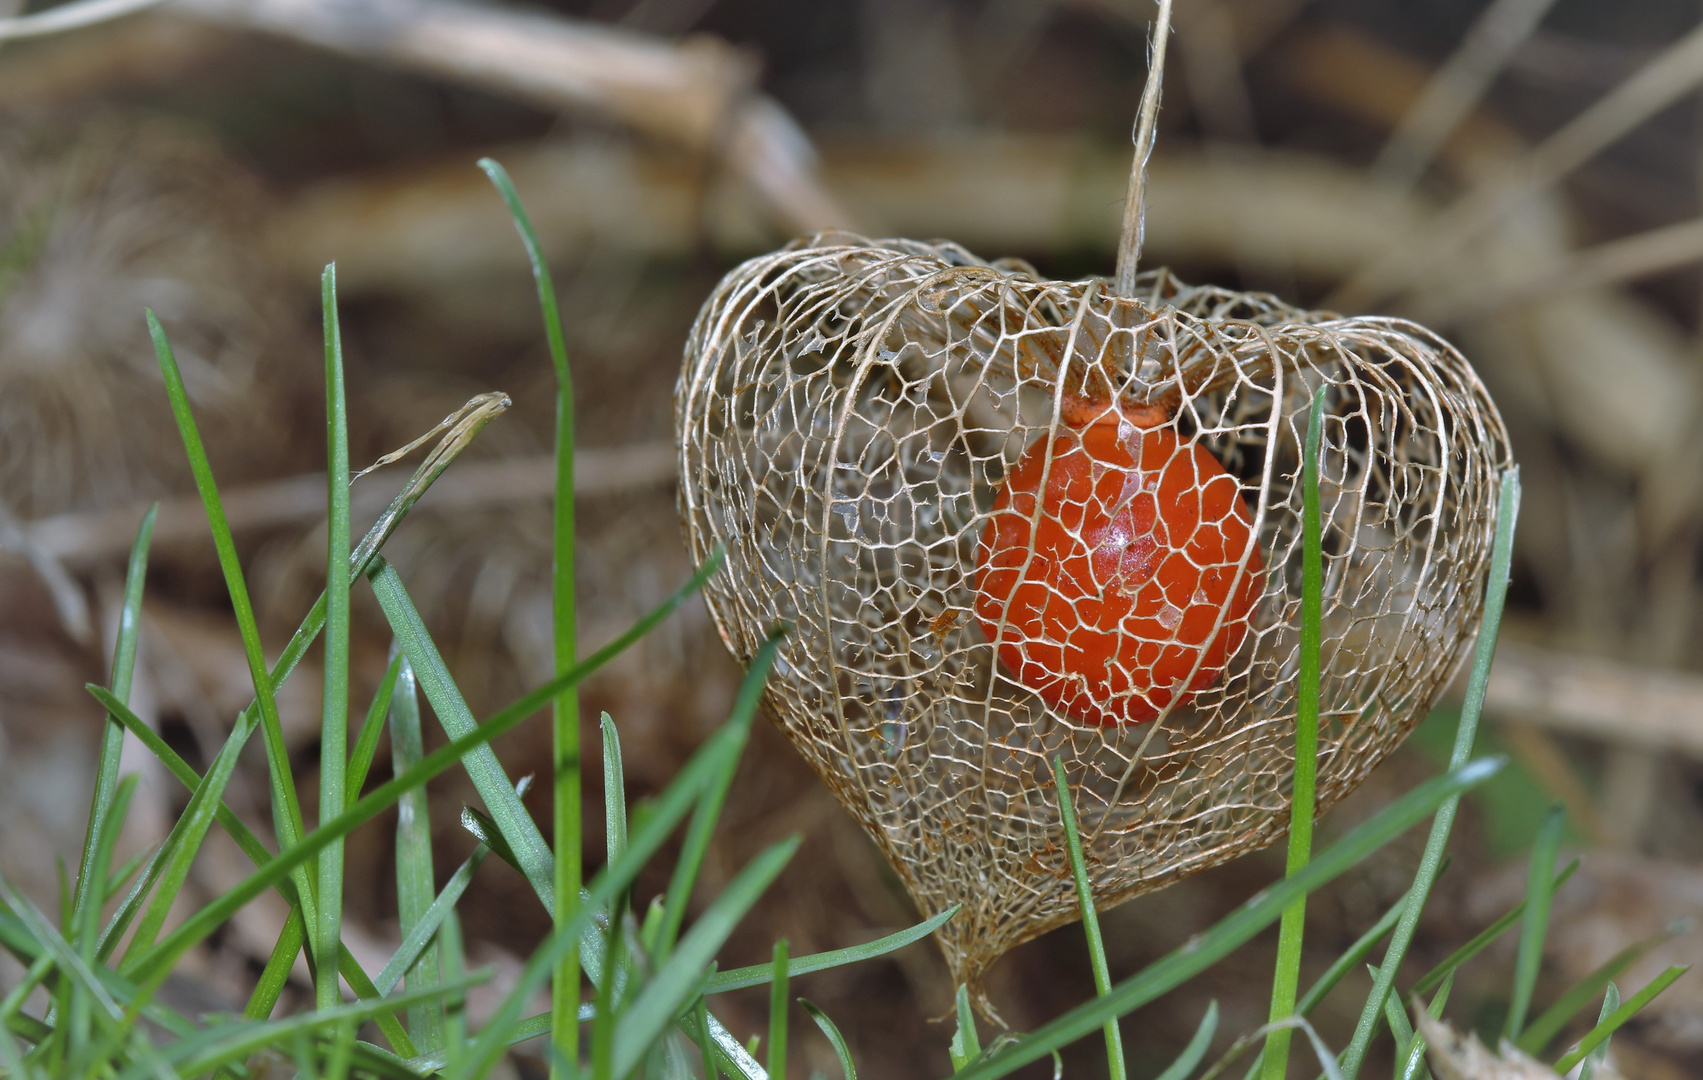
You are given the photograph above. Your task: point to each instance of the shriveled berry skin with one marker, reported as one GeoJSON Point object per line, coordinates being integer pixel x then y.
{"type": "Point", "coordinates": [1135, 591]}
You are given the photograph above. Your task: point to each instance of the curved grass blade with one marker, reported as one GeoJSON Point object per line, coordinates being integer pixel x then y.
{"type": "Point", "coordinates": [1241, 925]}
{"type": "Point", "coordinates": [1631, 1008]}
{"type": "Point", "coordinates": [758, 974]}
{"type": "Point", "coordinates": [835, 1039]}
{"type": "Point", "coordinates": [372, 730]}
{"type": "Point", "coordinates": [1544, 1029]}
{"type": "Point", "coordinates": [1434, 978]}
{"type": "Point", "coordinates": [286, 810]}
{"type": "Point", "coordinates": [1196, 1049]}
{"type": "Point", "coordinates": [1535, 925]}
{"type": "Point", "coordinates": [966, 1043]}
{"type": "Point", "coordinates": [112, 735]}
{"type": "Point", "coordinates": [414, 873]}
{"type": "Point", "coordinates": [1090, 919]}
{"type": "Point", "coordinates": [1610, 1002]}
{"type": "Point", "coordinates": [565, 748]}
{"type": "Point", "coordinates": [1484, 651]}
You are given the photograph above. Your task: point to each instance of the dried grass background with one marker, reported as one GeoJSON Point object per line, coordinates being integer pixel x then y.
{"type": "Point", "coordinates": [211, 172]}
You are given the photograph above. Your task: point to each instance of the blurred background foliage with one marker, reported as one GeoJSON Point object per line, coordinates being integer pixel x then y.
{"type": "Point", "coordinates": [208, 157]}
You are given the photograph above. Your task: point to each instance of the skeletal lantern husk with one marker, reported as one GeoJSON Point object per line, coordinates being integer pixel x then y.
{"type": "Point", "coordinates": [847, 413]}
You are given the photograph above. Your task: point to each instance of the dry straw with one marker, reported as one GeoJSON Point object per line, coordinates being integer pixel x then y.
{"type": "Point", "coordinates": [855, 419]}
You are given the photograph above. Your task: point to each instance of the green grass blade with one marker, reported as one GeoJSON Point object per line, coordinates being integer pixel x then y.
{"type": "Point", "coordinates": [1481, 941]}
{"type": "Point", "coordinates": [1090, 918]}
{"type": "Point", "coordinates": [758, 974]}
{"type": "Point", "coordinates": [1232, 931]}
{"type": "Point", "coordinates": [421, 932]}
{"type": "Point", "coordinates": [1545, 1028]}
{"type": "Point", "coordinates": [1192, 1054]}
{"type": "Point", "coordinates": [372, 730]}
{"type": "Point", "coordinates": [966, 1044]}
{"type": "Point", "coordinates": [701, 1029]}
{"type": "Point", "coordinates": [112, 734]}
{"type": "Point", "coordinates": [1610, 1002]}
{"type": "Point", "coordinates": [457, 720]}
{"type": "Point", "coordinates": [1400, 1029]}
{"type": "Point", "coordinates": [614, 793]}
{"type": "Point", "coordinates": [276, 973]}
{"type": "Point", "coordinates": [1631, 1008]}
{"type": "Point", "coordinates": [415, 877]}
{"type": "Point", "coordinates": [1484, 651]}
{"type": "Point", "coordinates": [1353, 956]}
{"type": "Point", "coordinates": [334, 712]}
{"type": "Point", "coordinates": [1287, 976]}
{"type": "Point", "coordinates": [287, 813]}
{"type": "Point", "coordinates": [835, 1039]}
{"type": "Point", "coordinates": [1413, 1066]}
{"type": "Point", "coordinates": [669, 990]}
{"type": "Point", "coordinates": [777, 1013]}
{"type": "Point", "coordinates": [187, 837]}
{"type": "Point", "coordinates": [692, 853]}
{"type": "Point", "coordinates": [1535, 925]}
{"type": "Point", "coordinates": [565, 713]}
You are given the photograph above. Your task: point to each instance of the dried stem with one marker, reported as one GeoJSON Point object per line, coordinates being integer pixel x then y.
{"type": "Point", "coordinates": [1129, 246]}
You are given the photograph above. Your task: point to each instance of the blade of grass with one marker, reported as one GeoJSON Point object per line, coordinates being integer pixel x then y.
{"type": "Point", "coordinates": [835, 1039]}
{"type": "Point", "coordinates": [1287, 977]}
{"type": "Point", "coordinates": [372, 730]}
{"type": "Point", "coordinates": [482, 766]}
{"type": "Point", "coordinates": [614, 792]}
{"type": "Point", "coordinates": [758, 974]}
{"type": "Point", "coordinates": [701, 1027]}
{"type": "Point", "coordinates": [669, 990]}
{"type": "Point", "coordinates": [1192, 1054]}
{"type": "Point", "coordinates": [1090, 918]}
{"type": "Point", "coordinates": [776, 1059]}
{"type": "Point", "coordinates": [1545, 1028]}
{"type": "Point", "coordinates": [1239, 926]}
{"type": "Point", "coordinates": [1413, 1066]}
{"type": "Point", "coordinates": [420, 934]}
{"type": "Point", "coordinates": [1535, 925]}
{"type": "Point", "coordinates": [685, 876]}
{"type": "Point", "coordinates": [112, 733]}
{"type": "Point", "coordinates": [565, 711]}
{"type": "Point", "coordinates": [334, 712]}
{"type": "Point", "coordinates": [1610, 1002]}
{"type": "Point", "coordinates": [1484, 651]}
{"type": "Point", "coordinates": [1631, 1008]}
{"type": "Point", "coordinates": [966, 1044]}
{"type": "Point", "coordinates": [286, 810]}
{"type": "Point", "coordinates": [1434, 978]}
{"type": "Point", "coordinates": [415, 877]}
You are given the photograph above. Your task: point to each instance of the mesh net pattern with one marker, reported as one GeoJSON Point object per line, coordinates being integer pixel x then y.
{"type": "Point", "coordinates": [1009, 519]}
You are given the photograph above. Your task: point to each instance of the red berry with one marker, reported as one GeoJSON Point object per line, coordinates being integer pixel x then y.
{"type": "Point", "coordinates": [1135, 590]}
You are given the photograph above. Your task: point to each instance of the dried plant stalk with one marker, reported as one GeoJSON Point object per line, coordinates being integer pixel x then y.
{"type": "Point", "coordinates": [848, 416]}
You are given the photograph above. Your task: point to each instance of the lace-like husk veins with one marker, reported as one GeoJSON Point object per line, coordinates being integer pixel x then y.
{"type": "Point", "coordinates": [847, 414]}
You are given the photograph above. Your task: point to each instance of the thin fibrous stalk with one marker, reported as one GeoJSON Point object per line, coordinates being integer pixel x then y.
{"type": "Point", "coordinates": [1135, 204]}
{"type": "Point", "coordinates": [1288, 974]}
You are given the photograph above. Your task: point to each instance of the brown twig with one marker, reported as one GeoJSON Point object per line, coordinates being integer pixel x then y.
{"type": "Point", "coordinates": [1129, 244]}
{"type": "Point", "coordinates": [90, 537]}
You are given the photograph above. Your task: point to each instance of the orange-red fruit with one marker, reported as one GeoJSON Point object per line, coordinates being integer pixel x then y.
{"type": "Point", "coordinates": [1142, 574]}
